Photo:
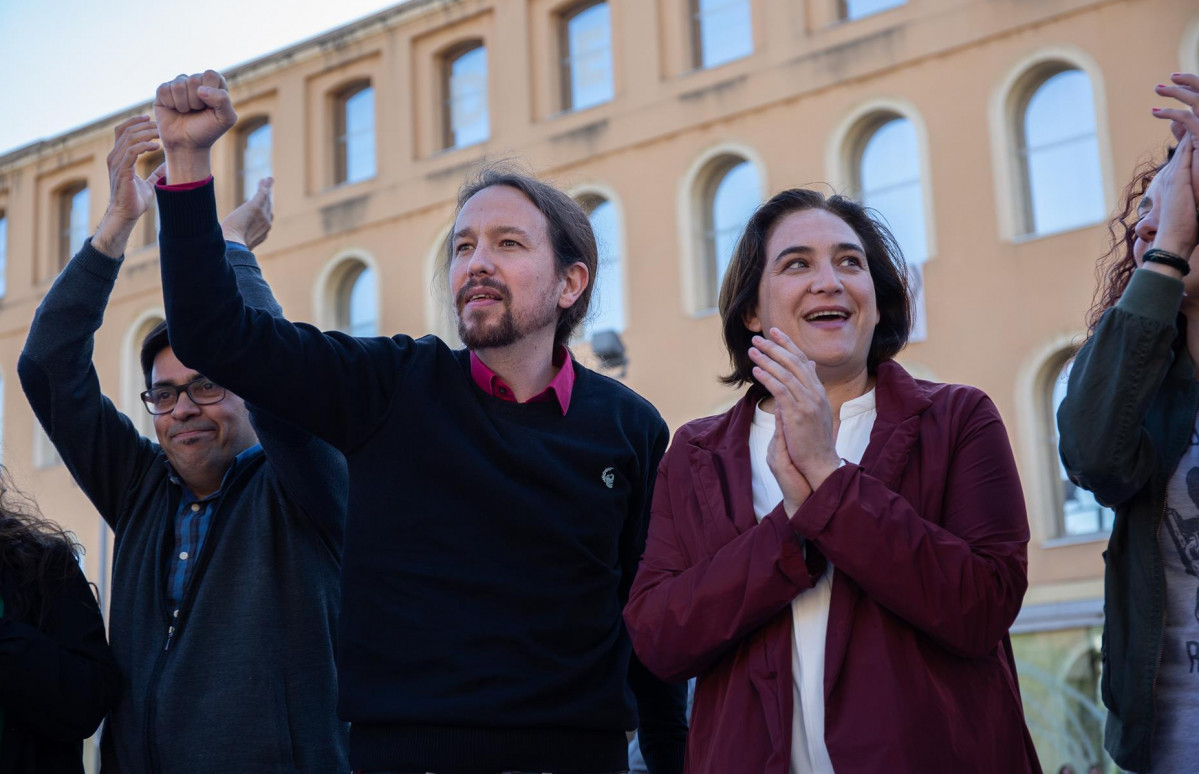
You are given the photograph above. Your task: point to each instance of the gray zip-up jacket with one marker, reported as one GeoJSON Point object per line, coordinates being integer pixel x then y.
{"type": "Point", "coordinates": [1125, 423]}
{"type": "Point", "coordinates": [247, 681]}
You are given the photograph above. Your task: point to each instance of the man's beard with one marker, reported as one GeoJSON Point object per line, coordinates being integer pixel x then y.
{"type": "Point", "coordinates": [508, 329]}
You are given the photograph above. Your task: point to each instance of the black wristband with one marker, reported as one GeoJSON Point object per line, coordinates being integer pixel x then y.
{"type": "Point", "coordinates": [1167, 258]}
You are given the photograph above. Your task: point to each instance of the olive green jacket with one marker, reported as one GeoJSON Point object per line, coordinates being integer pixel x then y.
{"type": "Point", "coordinates": [1125, 423]}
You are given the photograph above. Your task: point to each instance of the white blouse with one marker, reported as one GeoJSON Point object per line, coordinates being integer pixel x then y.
{"type": "Point", "coordinates": [809, 611]}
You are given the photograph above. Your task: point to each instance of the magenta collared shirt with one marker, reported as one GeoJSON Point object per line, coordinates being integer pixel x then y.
{"type": "Point", "coordinates": [560, 386]}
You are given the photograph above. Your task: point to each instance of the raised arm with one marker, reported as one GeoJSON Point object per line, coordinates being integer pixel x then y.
{"type": "Point", "coordinates": [312, 472]}
{"type": "Point", "coordinates": [1104, 444]}
{"type": "Point", "coordinates": [332, 385]}
{"type": "Point", "coordinates": [98, 444]}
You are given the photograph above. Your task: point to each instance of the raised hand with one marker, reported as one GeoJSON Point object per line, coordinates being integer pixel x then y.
{"type": "Point", "coordinates": [801, 406]}
{"type": "Point", "coordinates": [251, 222]}
{"type": "Point", "coordinates": [192, 111]}
{"type": "Point", "coordinates": [129, 195]}
{"type": "Point", "coordinates": [1183, 87]}
{"type": "Point", "coordinates": [794, 486]}
{"type": "Point", "coordinates": [1178, 224]}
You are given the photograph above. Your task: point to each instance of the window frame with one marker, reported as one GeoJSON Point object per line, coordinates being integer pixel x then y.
{"type": "Point", "coordinates": [244, 130]}
{"type": "Point", "coordinates": [696, 31]}
{"type": "Point", "coordinates": [566, 57]}
{"type": "Point", "coordinates": [65, 199]}
{"type": "Point", "coordinates": [341, 156]}
{"type": "Point", "coordinates": [452, 55]}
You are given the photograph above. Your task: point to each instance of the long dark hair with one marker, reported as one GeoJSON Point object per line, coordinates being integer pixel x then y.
{"type": "Point", "coordinates": [888, 272]}
{"type": "Point", "coordinates": [35, 551]}
{"type": "Point", "coordinates": [1115, 267]}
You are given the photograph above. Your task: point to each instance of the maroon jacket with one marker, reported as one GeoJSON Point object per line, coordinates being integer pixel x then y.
{"type": "Point", "coordinates": [928, 536]}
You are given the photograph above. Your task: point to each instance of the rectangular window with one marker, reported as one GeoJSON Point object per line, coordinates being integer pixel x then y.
{"type": "Point", "coordinates": [73, 205]}
{"type": "Point", "coordinates": [355, 130]}
{"type": "Point", "coordinates": [151, 220]}
{"type": "Point", "coordinates": [254, 158]}
{"type": "Point", "coordinates": [856, 9]}
{"type": "Point", "coordinates": [587, 60]}
{"type": "Point", "coordinates": [467, 121]}
{"type": "Point", "coordinates": [722, 31]}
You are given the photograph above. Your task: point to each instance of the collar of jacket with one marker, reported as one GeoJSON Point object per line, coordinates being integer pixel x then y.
{"type": "Point", "coordinates": [721, 451]}
{"type": "Point", "coordinates": [719, 458]}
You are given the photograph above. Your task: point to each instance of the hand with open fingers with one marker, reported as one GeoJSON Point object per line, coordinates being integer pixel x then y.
{"type": "Point", "coordinates": [130, 195]}
{"type": "Point", "coordinates": [193, 111]}
{"type": "Point", "coordinates": [1183, 87]}
{"type": "Point", "coordinates": [801, 405]}
{"type": "Point", "coordinates": [251, 222]}
{"type": "Point", "coordinates": [1178, 225]}
{"type": "Point", "coordinates": [794, 486]}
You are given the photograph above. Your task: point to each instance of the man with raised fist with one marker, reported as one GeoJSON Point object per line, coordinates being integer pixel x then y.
{"type": "Point", "coordinates": [499, 494]}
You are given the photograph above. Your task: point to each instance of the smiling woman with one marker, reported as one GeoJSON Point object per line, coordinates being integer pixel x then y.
{"type": "Point", "coordinates": [841, 510]}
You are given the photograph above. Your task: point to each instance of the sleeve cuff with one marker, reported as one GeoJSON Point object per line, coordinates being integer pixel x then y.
{"type": "Point", "coordinates": [1152, 295]}
{"type": "Point", "coordinates": [162, 183]}
{"type": "Point", "coordinates": [95, 262]}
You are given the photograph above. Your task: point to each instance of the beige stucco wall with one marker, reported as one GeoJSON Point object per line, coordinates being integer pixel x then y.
{"type": "Point", "coordinates": [998, 306]}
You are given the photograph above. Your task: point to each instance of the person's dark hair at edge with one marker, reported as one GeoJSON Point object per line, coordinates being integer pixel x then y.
{"type": "Point", "coordinates": [888, 272]}
{"type": "Point", "coordinates": [569, 228]}
{"type": "Point", "coordinates": [1115, 267]}
{"type": "Point", "coordinates": [38, 551]}
{"type": "Point", "coordinates": [154, 342]}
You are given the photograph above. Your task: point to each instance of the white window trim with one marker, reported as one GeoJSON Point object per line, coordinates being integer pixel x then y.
{"type": "Point", "coordinates": [1002, 118]}
{"type": "Point", "coordinates": [132, 380]}
{"type": "Point", "coordinates": [1036, 461]}
{"type": "Point", "coordinates": [439, 312]}
{"type": "Point", "coordinates": [325, 288]}
{"type": "Point", "coordinates": [689, 215]}
{"type": "Point", "coordinates": [1188, 48]}
{"type": "Point", "coordinates": [607, 193]}
{"type": "Point", "coordinates": [846, 140]}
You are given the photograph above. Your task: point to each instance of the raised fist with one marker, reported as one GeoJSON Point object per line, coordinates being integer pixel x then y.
{"type": "Point", "coordinates": [193, 111]}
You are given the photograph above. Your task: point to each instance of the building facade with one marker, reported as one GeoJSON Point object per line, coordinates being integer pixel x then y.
{"type": "Point", "coordinates": [995, 136]}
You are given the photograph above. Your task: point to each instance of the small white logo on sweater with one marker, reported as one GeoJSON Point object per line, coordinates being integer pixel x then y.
{"type": "Point", "coordinates": [609, 477]}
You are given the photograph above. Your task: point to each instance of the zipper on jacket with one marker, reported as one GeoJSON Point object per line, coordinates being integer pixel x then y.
{"type": "Point", "coordinates": [175, 624]}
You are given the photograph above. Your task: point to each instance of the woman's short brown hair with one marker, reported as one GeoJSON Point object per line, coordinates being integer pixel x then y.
{"type": "Point", "coordinates": [888, 272]}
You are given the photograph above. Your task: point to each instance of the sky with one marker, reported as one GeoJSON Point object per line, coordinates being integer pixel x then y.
{"type": "Point", "coordinates": [70, 62]}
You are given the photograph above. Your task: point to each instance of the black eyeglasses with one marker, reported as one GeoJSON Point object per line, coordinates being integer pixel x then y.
{"type": "Point", "coordinates": [202, 391]}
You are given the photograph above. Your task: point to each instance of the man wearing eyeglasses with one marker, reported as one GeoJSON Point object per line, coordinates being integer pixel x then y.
{"type": "Point", "coordinates": [225, 591]}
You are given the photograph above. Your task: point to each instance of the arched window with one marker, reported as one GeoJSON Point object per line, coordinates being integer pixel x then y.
{"type": "Point", "coordinates": [889, 180]}
{"type": "Point", "coordinates": [133, 379]}
{"type": "Point", "coordinates": [1059, 151]}
{"type": "Point", "coordinates": [731, 193]}
{"type": "Point", "coordinates": [1080, 513]}
{"type": "Point", "coordinates": [587, 56]}
{"type": "Point", "coordinates": [607, 301]}
{"type": "Point", "coordinates": [355, 298]}
{"type": "Point", "coordinates": [721, 30]}
{"type": "Point", "coordinates": [467, 119]}
{"type": "Point", "coordinates": [354, 128]}
{"type": "Point", "coordinates": [253, 157]}
{"type": "Point", "coordinates": [73, 207]}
